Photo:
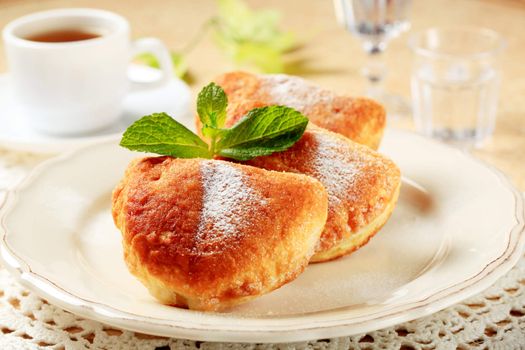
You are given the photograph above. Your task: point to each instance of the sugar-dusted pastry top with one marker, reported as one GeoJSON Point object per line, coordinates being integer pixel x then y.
{"type": "Point", "coordinates": [360, 182]}
{"type": "Point", "coordinates": [208, 234]}
{"type": "Point", "coordinates": [360, 119]}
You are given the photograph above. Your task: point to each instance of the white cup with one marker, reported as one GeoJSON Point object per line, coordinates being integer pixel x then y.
{"type": "Point", "coordinates": [74, 87]}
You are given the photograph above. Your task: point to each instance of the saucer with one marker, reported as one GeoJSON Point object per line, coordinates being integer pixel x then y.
{"type": "Point", "coordinates": [174, 98]}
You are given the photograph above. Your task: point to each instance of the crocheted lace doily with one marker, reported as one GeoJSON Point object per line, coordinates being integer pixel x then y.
{"type": "Point", "coordinates": [494, 319]}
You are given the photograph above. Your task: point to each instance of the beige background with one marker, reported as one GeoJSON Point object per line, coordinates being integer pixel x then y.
{"type": "Point", "coordinates": [331, 56]}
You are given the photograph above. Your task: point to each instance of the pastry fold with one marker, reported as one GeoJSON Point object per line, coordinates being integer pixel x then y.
{"type": "Point", "coordinates": [208, 234]}
{"type": "Point", "coordinates": [362, 185]}
{"type": "Point", "coordinates": [360, 119]}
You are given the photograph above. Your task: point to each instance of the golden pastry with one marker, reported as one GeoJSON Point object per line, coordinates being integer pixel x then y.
{"type": "Point", "coordinates": [360, 119]}
{"type": "Point", "coordinates": [208, 234]}
{"type": "Point", "coordinates": [362, 185]}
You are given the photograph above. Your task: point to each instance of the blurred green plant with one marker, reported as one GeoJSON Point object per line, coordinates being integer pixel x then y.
{"type": "Point", "coordinates": [249, 37]}
{"type": "Point", "coordinates": [252, 37]}
{"type": "Point", "coordinates": [180, 65]}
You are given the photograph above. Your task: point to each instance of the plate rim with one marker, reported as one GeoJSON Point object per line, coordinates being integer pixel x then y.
{"type": "Point", "coordinates": [298, 331]}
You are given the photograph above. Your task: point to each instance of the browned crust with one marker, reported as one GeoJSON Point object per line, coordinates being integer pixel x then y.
{"type": "Point", "coordinates": [352, 249]}
{"type": "Point", "coordinates": [360, 243]}
{"type": "Point", "coordinates": [158, 207]}
{"type": "Point", "coordinates": [368, 195]}
{"type": "Point", "coordinates": [360, 119]}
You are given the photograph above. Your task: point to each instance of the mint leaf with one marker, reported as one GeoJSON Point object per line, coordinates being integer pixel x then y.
{"type": "Point", "coordinates": [261, 132]}
{"type": "Point", "coordinates": [211, 105]}
{"type": "Point", "coordinates": [161, 134]}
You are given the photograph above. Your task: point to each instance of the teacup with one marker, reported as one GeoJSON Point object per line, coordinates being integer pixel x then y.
{"type": "Point", "coordinates": [68, 67]}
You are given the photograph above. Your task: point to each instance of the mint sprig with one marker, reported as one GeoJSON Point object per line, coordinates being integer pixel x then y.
{"type": "Point", "coordinates": [262, 131]}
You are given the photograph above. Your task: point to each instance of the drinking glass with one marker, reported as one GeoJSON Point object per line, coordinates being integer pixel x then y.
{"type": "Point", "coordinates": [376, 22]}
{"type": "Point", "coordinates": [455, 83]}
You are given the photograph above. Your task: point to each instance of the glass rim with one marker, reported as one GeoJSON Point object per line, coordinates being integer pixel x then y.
{"type": "Point", "coordinates": [500, 42]}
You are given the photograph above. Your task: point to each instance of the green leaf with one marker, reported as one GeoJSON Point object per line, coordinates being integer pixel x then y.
{"type": "Point", "coordinates": [180, 66]}
{"type": "Point", "coordinates": [148, 59]}
{"type": "Point", "coordinates": [252, 37]}
{"type": "Point", "coordinates": [261, 132]}
{"type": "Point", "coordinates": [161, 134]}
{"type": "Point", "coordinates": [265, 57]}
{"type": "Point", "coordinates": [211, 107]}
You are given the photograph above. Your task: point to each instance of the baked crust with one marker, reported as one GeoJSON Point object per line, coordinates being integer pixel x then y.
{"type": "Point", "coordinates": [358, 208]}
{"type": "Point", "coordinates": [360, 119]}
{"type": "Point", "coordinates": [362, 187]}
{"type": "Point", "coordinates": [208, 235]}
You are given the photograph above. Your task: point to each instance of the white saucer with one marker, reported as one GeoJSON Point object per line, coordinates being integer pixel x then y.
{"type": "Point", "coordinates": [173, 98]}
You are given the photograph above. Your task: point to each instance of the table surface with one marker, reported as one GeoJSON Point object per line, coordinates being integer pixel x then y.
{"type": "Point", "coordinates": [330, 56]}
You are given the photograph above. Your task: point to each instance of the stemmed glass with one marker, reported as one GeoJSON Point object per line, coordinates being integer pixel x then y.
{"type": "Point", "coordinates": [376, 22]}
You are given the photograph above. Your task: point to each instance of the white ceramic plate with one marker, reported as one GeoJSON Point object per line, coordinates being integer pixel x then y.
{"type": "Point", "coordinates": [173, 98]}
{"type": "Point", "coordinates": [457, 228]}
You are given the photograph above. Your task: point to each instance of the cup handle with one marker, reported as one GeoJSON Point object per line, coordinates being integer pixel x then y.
{"type": "Point", "coordinates": [159, 50]}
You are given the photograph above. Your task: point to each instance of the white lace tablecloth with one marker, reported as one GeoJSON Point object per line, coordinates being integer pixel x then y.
{"type": "Point", "coordinates": [494, 319]}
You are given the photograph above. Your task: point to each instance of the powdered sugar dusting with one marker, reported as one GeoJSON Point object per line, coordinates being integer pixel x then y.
{"type": "Point", "coordinates": [332, 168]}
{"type": "Point", "coordinates": [229, 202]}
{"type": "Point", "coordinates": [294, 92]}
